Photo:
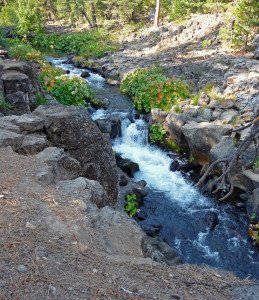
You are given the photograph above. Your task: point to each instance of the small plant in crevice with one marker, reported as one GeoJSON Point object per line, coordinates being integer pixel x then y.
{"type": "Point", "coordinates": [3, 104]}
{"type": "Point", "coordinates": [206, 44]}
{"type": "Point", "coordinates": [156, 133]}
{"type": "Point", "coordinates": [178, 109]}
{"type": "Point", "coordinates": [41, 100]}
{"type": "Point", "coordinates": [256, 164]}
{"type": "Point", "coordinates": [254, 229]}
{"type": "Point", "coordinates": [132, 204]}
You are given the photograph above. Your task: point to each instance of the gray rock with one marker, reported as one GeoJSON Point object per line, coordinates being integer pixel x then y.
{"type": "Point", "coordinates": [19, 102]}
{"type": "Point", "coordinates": [228, 115]}
{"type": "Point", "coordinates": [85, 189]}
{"type": "Point", "coordinates": [111, 126]}
{"type": "Point", "coordinates": [28, 123]}
{"type": "Point", "coordinates": [129, 167]}
{"type": "Point", "coordinates": [157, 115]}
{"type": "Point", "coordinates": [62, 165]}
{"type": "Point", "coordinates": [33, 144]}
{"type": "Point", "coordinates": [204, 99]}
{"type": "Point", "coordinates": [46, 175]}
{"type": "Point", "coordinates": [201, 137]}
{"type": "Point", "coordinates": [173, 125]}
{"type": "Point", "coordinates": [85, 74]}
{"type": "Point", "coordinates": [100, 103]}
{"type": "Point", "coordinates": [250, 292]}
{"type": "Point", "coordinates": [15, 81]}
{"type": "Point", "coordinates": [21, 268]}
{"type": "Point", "coordinates": [9, 138]}
{"type": "Point", "coordinates": [256, 54]}
{"type": "Point", "coordinates": [252, 205]}
{"type": "Point", "coordinates": [159, 251]}
{"type": "Point", "coordinates": [225, 148]}
{"type": "Point", "coordinates": [256, 41]}
{"type": "Point", "coordinates": [130, 187]}
{"type": "Point", "coordinates": [73, 129]}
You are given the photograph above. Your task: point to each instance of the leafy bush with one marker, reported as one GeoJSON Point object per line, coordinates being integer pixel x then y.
{"type": "Point", "coordinates": [29, 16]}
{"type": "Point", "coordinates": [84, 44]}
{"type": "Point", "coordinates": [23, 51]}
{"type": "Point", "coordinates": [132, 206]}
{"type": "Point", "coordinates": [150, 88]}
{"type": "Point", "coordinates": [65, 89]}
{"type": "Point", "coordinates": [156, 133]}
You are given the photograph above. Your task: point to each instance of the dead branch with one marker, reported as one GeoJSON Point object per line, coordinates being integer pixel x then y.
{"type": "Point", "coordinates": [230, 162]}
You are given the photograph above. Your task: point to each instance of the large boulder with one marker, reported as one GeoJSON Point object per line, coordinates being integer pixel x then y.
{"type": "Point", "coordinates": [201, 137]}
{"type": "Point", "coordinates": [20, 84]}
{"type": "Point", "coordinates": [85, 189]}
{"type": "Point", "coordinates": [225, 148]}
{"type": "Point", "coordinates": [60, 166]}
{"type": "Point", "coordinates": [73, 129]}
{"type": "Point", "coordinates": [173, 125]}
{"type": "Point", "coordinates": [157, 115]}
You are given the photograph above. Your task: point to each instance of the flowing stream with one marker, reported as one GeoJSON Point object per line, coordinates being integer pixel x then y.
{"type": "Point", "coordinates": [201, 229]}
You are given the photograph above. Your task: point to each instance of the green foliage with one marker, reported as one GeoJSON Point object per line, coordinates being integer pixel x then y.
{"type": "Point", "coordinates": [28, 15]}
{"type": "Point", "coordinates": [150, 88]}
{"type": "Point", "coordinates": [247, 13]}
{"type": "Point", "coordinates": [132, 205]}
{"type": "Point", "coordinates": [156, 133]}
{"type": "Point", "coordinates": [41, 100]}
{"type": "Point", "coordinates": [254, 230]}
{"type": "Point", "coordinates": [3, 104]}
{"type": "Point", "coordinates": [206, 44]}
{"type": "Point", "coordinates": [21, 50]}
{"type": "Point", "coordinates": [178, 109]}
{"type": "Point", "coordinates": [184, 8]}
{"type": "Point", "coordinates": [68, 90]}
{"type": "Point", "coordinates": [256, 164]}
{"type": "Point", "coordinates": [83, 44]}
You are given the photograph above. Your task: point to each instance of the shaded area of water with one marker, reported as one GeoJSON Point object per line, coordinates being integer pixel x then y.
{"type": "Point", "coordinates": [201, 229]}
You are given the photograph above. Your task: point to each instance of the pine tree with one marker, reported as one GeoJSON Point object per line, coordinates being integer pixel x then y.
{"type": "Point", "coordinates": [247, 13]}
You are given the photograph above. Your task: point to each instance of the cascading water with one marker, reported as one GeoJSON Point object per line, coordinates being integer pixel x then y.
{"type": "Point", "coordinates": [199, 228]}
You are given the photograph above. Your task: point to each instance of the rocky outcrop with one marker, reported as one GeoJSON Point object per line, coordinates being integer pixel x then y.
{"type": "Point", "coordinates": [201, 137]}
{"type": "Point", "coordinates": [20, 86]}
{"type": "Point", "coordinates": [72, 129]}
{"type": "Point", "coordinates": [85, 189]}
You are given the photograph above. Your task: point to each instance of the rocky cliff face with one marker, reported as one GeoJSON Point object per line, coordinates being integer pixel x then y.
{"type": "Point", "coordinates": [19, 85]}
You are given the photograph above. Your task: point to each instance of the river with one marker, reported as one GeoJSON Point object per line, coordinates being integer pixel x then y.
{"type": "Point", "coordinates": [184, 216]}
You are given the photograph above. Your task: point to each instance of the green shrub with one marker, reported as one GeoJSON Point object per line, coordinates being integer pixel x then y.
{"type": "Point", "coordinates": [132, 205]}
{"type": "Point", "coordinates": [29, 16]}
{"type": "Point", "coordinates": [89, 43]}
{"type": "Point", "coordinates": [65, 89]}
{"type": "Point", "coordinates": [150, 88]}
{"type": "Point", "coordinates": [156, 133]}
{"type": "Point", "coordinates": [23, 51]}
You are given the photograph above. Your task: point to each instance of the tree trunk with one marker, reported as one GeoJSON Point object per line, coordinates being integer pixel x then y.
{"type": "Point", "coordinates": [84, 14]}
{"type": "Point", "coordinates": [93, 15]}
{"type": "Point", "coordinates": [157, 13]}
